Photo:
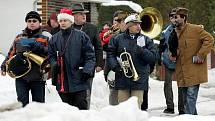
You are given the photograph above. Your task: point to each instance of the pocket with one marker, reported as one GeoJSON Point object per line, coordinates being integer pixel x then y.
{"type": "Point", "coordinates": [78, 74]}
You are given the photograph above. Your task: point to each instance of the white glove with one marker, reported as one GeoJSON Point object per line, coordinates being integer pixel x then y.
{"type": "Point", "coordinates": [141, 41]}
{"type": "Point", "coordinates": [111, 76]}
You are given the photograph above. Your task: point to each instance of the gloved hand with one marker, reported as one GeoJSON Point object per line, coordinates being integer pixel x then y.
{"type": "Point", "coordinates": [85, 76]}
{"type": "Point", "coordinates": [26, 41]}
{"type": "Point", "coordinates": [197, 60]}
{"type": "Point", "coordinates": [111, 78]}
{"type": "Point", "coordinates": [141, 41]}
{"type": "Point", "coordinates": [20, 48]}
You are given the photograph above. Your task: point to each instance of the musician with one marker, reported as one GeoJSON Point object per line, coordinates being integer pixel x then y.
{"type": "Point", "coordinates": [119, 24]}
{"type": "Point", "coordinates": [72, 59]}
{"type": "Point", "coordinates": [142, 52]}
{"type": "Point", "coordinates": [80, 23]}
{"type": "Point", "coordinates": [33, 39]}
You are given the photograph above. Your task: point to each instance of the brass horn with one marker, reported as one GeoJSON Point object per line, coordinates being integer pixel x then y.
{"type": "Point", "coordinates": [25, 64]}
{"type": "Point", "coordinates": [152, 22]}
{"type": "Point", "coordinates": [42, 62]}
{"type": "Point", "coordinates": [127, 65]}
{"type": "Point", "coordinates": [21, 68]}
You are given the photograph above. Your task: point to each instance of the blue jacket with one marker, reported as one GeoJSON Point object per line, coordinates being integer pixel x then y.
{"type": "Point", "coordinates": [79, 53]}
{"type": "Point", "coordinates": [141, 56]}
{"type": "Point", "coordinates": [164, 47]}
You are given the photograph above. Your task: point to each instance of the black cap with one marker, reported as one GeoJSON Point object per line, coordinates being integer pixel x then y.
{"type": "Point", "coordinates": [33, 14]}
{"type": "Point", "coordinates": [78, 8]}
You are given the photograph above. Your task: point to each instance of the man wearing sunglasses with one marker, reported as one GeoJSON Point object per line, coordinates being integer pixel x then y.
{"type": "Point", "coordinates": [33, 39]}
{"type": "Point", "coordinates": [167, 56]}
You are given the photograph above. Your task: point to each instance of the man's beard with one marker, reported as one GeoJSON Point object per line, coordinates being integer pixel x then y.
{"type": "Point", "coordinates": [177, 24]}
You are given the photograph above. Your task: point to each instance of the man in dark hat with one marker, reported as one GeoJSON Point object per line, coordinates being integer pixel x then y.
{"type": "Point", "coordinates": [191, 64]}
{"type": "Point", "coordinates": [80, 23]}
{"type": "Point", "coordinates": [33, 39]}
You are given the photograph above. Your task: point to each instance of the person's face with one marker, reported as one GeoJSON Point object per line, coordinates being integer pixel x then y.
{"type": "Point", "coordinates": [135, 28]}
{"type": "Point", "coordinates": [65, 23]}
{"type": "Point", "coordinates": [172, 19]}
{"type": "Point", "coordinates": [54, 23]}
{"type": "Point", "coordinates": [179, 21]}
{"type": "Point", "coordinates": [106, 26]}
{"type": "Point", "coordinates": [119, 23]}
{"type": "Point", "coordinates": [33, 24]}
{"type": "Point", "coordinates": [80, 18]}
{"type": "Point", "coordinates": [115, 20]}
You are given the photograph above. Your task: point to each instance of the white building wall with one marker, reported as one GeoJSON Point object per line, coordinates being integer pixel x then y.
{"type": "Point", "coordinates": [12, 20]}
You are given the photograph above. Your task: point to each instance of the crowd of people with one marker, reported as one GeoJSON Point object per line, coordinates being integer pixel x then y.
{"type": "Point", "coordinates": [73, 50]}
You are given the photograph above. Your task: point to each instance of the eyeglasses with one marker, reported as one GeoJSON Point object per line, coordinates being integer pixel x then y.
{"type": "Point", "coordinates": [175, 17]}
{"type": "Point", "coordinates": [33, 20]}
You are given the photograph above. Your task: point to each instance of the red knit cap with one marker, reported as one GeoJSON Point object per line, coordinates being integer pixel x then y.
{"type": "Point", "coordinates": [65, 14]}
{"type": "Point", "coordinates": [53, 16]}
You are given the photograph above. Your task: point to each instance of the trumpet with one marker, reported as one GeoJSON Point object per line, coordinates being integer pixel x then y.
{"type": "Point", "coordinates": [113, 29]}
{"type": "Point", "coordinates": [128, 66]}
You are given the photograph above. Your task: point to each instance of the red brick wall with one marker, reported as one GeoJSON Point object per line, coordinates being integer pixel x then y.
{"type": "Point", "coordinates": [50, 6]}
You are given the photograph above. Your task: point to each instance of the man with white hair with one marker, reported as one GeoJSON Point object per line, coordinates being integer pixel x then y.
{"type": "Point", "coordinates": [143, 53]}
{"type": "Point", "coordinates": [72, 59]}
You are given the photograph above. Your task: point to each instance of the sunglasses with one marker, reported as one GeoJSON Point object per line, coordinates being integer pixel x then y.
{"type": "Point", "coordinates": [33, 20]}
{"type": "Point", "coordinates": [118, 20]}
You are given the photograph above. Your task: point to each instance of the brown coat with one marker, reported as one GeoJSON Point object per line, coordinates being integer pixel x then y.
{"type": "Point", "coordinates": [193, 40]}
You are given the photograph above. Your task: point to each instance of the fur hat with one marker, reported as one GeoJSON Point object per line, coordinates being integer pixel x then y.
{"type": "Point", "coordinates": [182, 11]}
{"type": "Point", "coordinates": [65, 14]}
{"type": "Point", "coordinates": [33, 14]}
{"type": "Point", "coordinates": [78, 8]}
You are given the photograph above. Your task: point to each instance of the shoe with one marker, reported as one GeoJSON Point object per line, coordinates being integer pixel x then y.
{"type": "Point", "coordinates": [169, 111]}
{"type": "Point", "coordinates": [181, 112]}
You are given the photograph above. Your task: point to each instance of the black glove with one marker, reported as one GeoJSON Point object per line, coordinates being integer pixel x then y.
{"type": "Point", "coordinates": [20, 48]}
{"type": "Point", "coordinates": [139, 50]}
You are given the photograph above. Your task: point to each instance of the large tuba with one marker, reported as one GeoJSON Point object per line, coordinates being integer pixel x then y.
{"type": "Point", "coordinates": [152, 22]}
{"type": "Point", "coordinates": [127, 65]}
{"type": "Point", "coordinates": [19, 65]}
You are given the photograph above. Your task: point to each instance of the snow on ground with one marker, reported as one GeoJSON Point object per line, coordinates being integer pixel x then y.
{"type": "Point", "coordinates": [55, 110]}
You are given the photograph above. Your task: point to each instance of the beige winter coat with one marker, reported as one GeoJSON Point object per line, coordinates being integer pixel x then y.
{"type": "Point", "coordinates": [193, 40]}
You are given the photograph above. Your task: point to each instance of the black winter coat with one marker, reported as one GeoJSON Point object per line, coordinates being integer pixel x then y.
{"type": "Point", "coordinates": [141, 56]}
{"type": "Point", "coordinates": [92, 32]}
{"type": "Point", "coordinates": [78, 53]}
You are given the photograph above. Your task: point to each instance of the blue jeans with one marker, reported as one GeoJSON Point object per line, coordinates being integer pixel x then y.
{"type": "Point", "coordinates": [190, 95]}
